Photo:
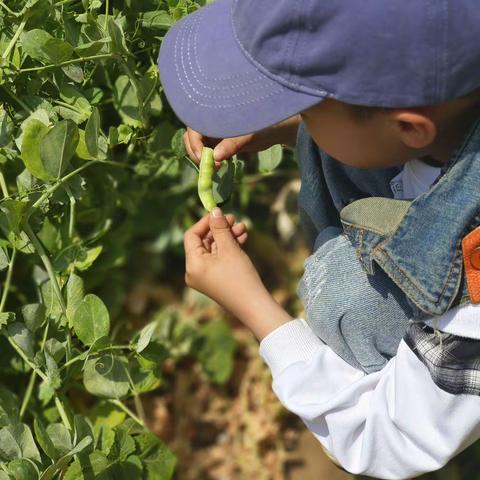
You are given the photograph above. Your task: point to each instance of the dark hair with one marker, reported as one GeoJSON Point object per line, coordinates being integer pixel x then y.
{"type": "Point", "coordinates": [362, 112]}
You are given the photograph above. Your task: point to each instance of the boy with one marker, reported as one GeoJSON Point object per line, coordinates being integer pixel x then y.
{"type": "Point", "coordinates": [384, 372]}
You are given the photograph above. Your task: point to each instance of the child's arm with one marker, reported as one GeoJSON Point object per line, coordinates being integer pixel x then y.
{"type": "Point", "coordinates": [284, 132]}
{"type": "Point", "coordinates": [409, 418]}
{"type": "Point", "coordinates": [217, 266]}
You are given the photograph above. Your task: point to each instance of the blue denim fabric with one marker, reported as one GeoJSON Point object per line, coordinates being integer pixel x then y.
{"type": "Point", "coordinates": [422, 250]}
{"type": "Point", "coordinates": [361, 317]}
{"type": "Point", "coordinates": [410, 250]}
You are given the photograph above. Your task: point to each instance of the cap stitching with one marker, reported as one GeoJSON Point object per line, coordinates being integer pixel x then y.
{"type": "Point", "coordinates": [255, 79]}
{"type": "Point", "coordinates": [186, 44]}
{"type": "Point", "coordinates": [195, 23]}
{"type": "Point", "coordinates": [175, 61]}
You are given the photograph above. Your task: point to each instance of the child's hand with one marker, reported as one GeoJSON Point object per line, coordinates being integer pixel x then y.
{"type": "Point", "coordinates": [217, 266]}
{"type": "Point", "coordinates": [283, 132]}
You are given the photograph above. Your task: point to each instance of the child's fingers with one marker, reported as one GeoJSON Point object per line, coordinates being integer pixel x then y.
{"type": "Point", "coordinates": [188, 147]}
{"type": "Point", "coordinates": [196, 141]}
{"type": "Point", "coordinates": [238, 229]}
{"type": "Point", "coordinates": [242, 238]}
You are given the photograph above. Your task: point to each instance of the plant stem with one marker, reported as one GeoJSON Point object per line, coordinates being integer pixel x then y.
{"type": "Point", "coordinates": [14, 39]}
{"type": "Point", "coordinates": [123, 407]}
{"type": "Point", "coordinates": [106, 14]}
{"type": "Point", "coordinates": [26, 359]}
{"type": "Point", "coordinates": [8, 280]}
{"type": "Point", "coordinates": [53, 278]}
{"type": "Point", "coordinates": [3, 185]}
{"type": "Point", "coordinates": [48, 265]}
{"type": "Point", "coordinates": [68, 62]}
{"type": "Point", "coordinates": [28, 394]}
{"type": "Point", "coordinates": [62, 412]}
{"type": "Point", "coordinates": [71, 223]}
{"type": "Point", "coordinates": [11, 12]}
{"type": "Point", "coordinates": [53, 188]}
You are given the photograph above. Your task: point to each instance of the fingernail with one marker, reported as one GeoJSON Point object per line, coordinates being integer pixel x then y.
{"type": "Point", "coordinates": [216, 212]}
{"type": "Point", "coordinates": [218, 153]}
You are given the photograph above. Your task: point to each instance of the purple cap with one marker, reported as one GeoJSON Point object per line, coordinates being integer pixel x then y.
{"type": "Point", "coordinates": [237, 66]}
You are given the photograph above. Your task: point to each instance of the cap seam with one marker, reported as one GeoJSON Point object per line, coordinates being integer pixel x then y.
{"type": "Point", "coordinates": [194, 26]}
{"type": "Point", "coordinates": [185, 43]}
{"type": "Point", "coordinates": [189, 94]}
{"type": "Point", "coordinates": [313, 91]}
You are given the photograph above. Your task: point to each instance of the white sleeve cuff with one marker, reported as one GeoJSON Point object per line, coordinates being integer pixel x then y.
{"type": "Point", "coordinates": [292, 342]}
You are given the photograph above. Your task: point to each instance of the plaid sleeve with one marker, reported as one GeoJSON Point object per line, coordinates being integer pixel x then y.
{"type": "Point", "coordinates": [453, 361]}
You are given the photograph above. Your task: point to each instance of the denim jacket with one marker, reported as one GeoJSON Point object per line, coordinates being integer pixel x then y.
{"type": "Point", "coordinates": [410, 251]}
{"type": "Point", "coordinates": [418, 243]}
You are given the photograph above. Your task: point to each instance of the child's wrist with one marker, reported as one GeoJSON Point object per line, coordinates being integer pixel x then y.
{"type": "Point", "coordinates": [262, 315]}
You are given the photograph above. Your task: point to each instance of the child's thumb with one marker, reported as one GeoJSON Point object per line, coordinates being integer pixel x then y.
{"type": "Point", "coordinates": [221, 230]}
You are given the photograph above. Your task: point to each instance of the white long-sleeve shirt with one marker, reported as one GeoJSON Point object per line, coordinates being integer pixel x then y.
{"type": "Point", "coordinates": [407, 419]}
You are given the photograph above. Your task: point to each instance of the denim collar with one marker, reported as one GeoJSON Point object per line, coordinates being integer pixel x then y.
{"type": "Point", "coordinates": [418, 243]}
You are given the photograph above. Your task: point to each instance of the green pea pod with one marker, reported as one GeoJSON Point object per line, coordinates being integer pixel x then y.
{"type": "Point", "coordinates": [205, 182]}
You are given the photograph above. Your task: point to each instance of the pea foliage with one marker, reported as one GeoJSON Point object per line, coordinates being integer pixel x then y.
{"type": "Point", "coordinates": [90, 160]}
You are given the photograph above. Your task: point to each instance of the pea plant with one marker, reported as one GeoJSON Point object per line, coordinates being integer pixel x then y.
{"type": "Point", "coordinates": [87, 153]}
{"type": "Point", "coordinates": [91, 163]}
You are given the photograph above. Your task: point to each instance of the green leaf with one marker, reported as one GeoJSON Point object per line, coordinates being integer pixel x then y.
{"type": "Point", "coordinates": [44, 440]}
{"type": "Point", "coordinates": [117, 44]}
{"type": "Point", "coordinates": [58, 147]}
{"type": "Point", "coordinates": [9, 411]}
{"type": "Point", "coordinates": [153, 356]}
{"type": "Point", "coordinates": [106, 376]}
{"type": "Point", "coordinates": [33, 315]}
{"type": "Point", "coordinates": [91, 48]}
{"type": "Point", "coordinates": [157, 458]}
{"type": "Point", "coordinates": [16, 441]}
{"type": "Point", "coordinates": [62, 462]}
{"type": "Point", "coordinates": [81, 151]}
{"type": "Point", "coordinates": [40, 45]}
{"type": "Point", "coordinates": [217, 350]}
{"type": "Point", "coordinates": [89, 468]}
{"type": "Point", "coordinates": [4, 260]}
{"type": "Point", "coordinates": [14, 211]}
{"type": "Point", "coordinates": [106, 414]}
{"type": "Point", "coordinates": [123, 446]}
{"type": "Point", "coordinates": [22, 469]}
{"type": "Point", "coordinates": [91, 255]}
{"type": "Point", "coordinates": [53, 372]}
{"type": "Point", "coordinates": [83, 429]}
{"type": "Point", "coordinates": [33, 132]}
{"type": "Point", "coordinates": [126, 102]}
{"type": "Point", "coordinates": [6, 318]}
{"type": "Point", "coordinates": [270, 159]}
{"type": "Point", "coordinates": [145, 336]}
{"type": "Point", "coordinates": [60, 437]}
{"type": "Point", "coordinates": [92, 133]}
{"type": "Point", "coordinates": [91, 320]}
{"type": "Point", "coordinates": [75, 295]}
{"type": "Point", "coordinates": [160, 20]}
{"type": "Point", "coordinates": [50, 300]}
{"type": "Point", "coordinates": [22, 336]}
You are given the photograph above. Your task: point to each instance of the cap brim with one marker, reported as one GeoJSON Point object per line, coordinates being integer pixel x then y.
{"type": "Point", "coordinates": [211, 84]}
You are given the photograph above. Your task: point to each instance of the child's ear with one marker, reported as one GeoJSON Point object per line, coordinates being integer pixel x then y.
{"type": "Point", "coordinates": [415, 129]}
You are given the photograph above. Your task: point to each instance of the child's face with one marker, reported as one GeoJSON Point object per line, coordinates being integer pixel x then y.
{"type": "Point", "coordinates": [365, 143]}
